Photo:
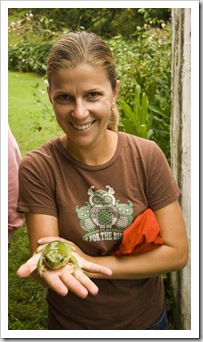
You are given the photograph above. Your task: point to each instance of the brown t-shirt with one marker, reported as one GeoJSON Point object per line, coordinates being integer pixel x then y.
{"type": "Point", "coordinates": [94, 204]}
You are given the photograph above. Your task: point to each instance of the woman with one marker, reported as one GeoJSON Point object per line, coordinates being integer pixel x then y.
{"type": "Point", "coordinates": [87, 187]}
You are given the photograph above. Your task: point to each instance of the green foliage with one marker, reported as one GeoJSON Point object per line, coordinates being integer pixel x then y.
{"type": "Point", "coordinates": [106, 22]}
{"type": "Point", "coordinates": [155, 16]}
{"type": "Point", "coordinates": [145, 120]}
{"type": "Point", "coordinates": [31, 126]}
{"type": "Point", "coordinates": [145, 60]}
{"type": "Point", "coordinates": [26, 26]}
{"type": "Point", "coordinates": [30, 39]}
{"type": "Point", "coordinates": [137, 121]}
{"type": "Point", "coordinates": [27, 308]}
{"type": "Point", "coordinates": [28, 57]}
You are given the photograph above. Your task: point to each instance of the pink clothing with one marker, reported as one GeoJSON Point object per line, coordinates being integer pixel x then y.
{"type": "Point", "coordinates": [15, 219]}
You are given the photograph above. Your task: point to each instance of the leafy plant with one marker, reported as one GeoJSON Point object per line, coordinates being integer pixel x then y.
{"type": "Point", "coordinates": [27, 57]}
{"type": "Point", "coordinates": [137, 121]}
{"type": "Point", "coordinates": [106, 22]}
{"type": "Point", "coordinates": [146, 60]}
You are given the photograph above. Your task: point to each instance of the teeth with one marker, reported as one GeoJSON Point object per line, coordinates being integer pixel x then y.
{"type": "Point", "coordinates": [82, 127]}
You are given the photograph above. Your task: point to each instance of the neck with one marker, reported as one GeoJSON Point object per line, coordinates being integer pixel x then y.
{"type": "Point", "coordinates": [95, 155]}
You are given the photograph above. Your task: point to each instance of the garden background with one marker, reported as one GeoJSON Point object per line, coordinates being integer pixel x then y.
{"type": "Point", "coordinates": [141, 42]}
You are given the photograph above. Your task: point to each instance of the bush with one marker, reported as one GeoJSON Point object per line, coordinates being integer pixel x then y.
{"type": "Point", "coordinates": [106, 22]}
{"type": "Point", "coordinates": [144, 60]}
{"type": "Point", "coordinates": [28, 57]}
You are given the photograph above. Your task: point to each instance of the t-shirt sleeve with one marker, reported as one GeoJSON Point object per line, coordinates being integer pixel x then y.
{"type": "Point", "coordinates": [36, 188]}
{"type": "Point", "coordinates": [161, 186]}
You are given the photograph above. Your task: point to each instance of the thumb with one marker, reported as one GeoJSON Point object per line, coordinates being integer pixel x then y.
{"type": "Point", "coordinates": [26, 269]}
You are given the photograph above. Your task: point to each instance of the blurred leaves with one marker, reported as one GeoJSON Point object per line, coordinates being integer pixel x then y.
{"type": "Point", "coordinates": [140, 40]}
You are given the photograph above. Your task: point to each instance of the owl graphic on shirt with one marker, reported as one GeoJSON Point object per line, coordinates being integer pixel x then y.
{"type": "Point", "coordinates": [104, 211]}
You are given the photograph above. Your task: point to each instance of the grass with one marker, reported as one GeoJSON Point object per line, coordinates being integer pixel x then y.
{"type": "Point", "coordinates": [32, 127]}
{"type": "Point", "coordinates": [27, 306]}
{"type": "Point", "coordinates": [29, 122]}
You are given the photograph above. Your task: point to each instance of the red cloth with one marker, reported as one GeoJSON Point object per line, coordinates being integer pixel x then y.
{"type": "Point", "coordinates": [141, 236]}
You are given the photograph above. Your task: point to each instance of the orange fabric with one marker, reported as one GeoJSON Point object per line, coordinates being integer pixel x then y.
{"type": "Point", "coordinates": [141, 236]}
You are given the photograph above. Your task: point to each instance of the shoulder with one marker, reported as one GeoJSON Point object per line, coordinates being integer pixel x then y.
{"type": "Point", "coordinates": [144, 152]}
{"type": "Point", "coordinates": [140, 145]}
{"type": "Point", "coordinates": [41, 156]}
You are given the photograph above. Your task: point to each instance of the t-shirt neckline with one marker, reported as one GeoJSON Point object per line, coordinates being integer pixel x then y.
{"type": "Point", "coordinates": [63, 151]}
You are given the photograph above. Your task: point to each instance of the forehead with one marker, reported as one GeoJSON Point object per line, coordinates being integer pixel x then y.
{"type": "Point", "coordinates": [81, 73]}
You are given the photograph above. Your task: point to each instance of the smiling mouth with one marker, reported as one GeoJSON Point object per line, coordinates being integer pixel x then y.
{"type": "Point", "coordinates": [82, 127]}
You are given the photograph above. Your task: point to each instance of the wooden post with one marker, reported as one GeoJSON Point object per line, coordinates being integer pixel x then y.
{"type": "Point", "coordinates": [181, 146]}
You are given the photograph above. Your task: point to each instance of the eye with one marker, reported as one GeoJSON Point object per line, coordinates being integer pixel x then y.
{"type": "Point", "coordinates": [97, 199]}
{"type": "Point", "coordinates": [93, 95]}
{"type": "Point", "coordinates": [108, 199]}
{"type": "Point", "coordinates": [64, 98]}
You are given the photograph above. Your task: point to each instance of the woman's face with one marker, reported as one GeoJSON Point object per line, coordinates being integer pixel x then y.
{"type": "Point", "coordinates": [82, 99]}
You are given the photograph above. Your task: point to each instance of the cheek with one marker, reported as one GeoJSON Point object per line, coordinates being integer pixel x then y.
{"type": "Point", "coordinates": [103, 108]}
{"type": "Point", "coordinates": [60, 111]}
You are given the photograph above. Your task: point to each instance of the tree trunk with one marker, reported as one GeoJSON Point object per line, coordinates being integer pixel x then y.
{"type": "Point", "coordinates": [181, 147]}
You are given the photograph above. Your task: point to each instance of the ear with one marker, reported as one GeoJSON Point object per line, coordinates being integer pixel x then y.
{"type": "Point", "coordinates": [49, 93]}
{"type": "Point", "coordinates": [116, 90]}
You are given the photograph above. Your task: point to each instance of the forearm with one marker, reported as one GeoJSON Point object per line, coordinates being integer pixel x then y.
{"type": "Point", "coordinates": [161, 260]}
{"type": "Point", "coordinates": [171, 256]}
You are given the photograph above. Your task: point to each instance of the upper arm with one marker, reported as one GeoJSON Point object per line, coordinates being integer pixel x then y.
{"type": "Point", "coordinates": [172, 228]}
{"type": "Point", "coordinates": [39, 226]}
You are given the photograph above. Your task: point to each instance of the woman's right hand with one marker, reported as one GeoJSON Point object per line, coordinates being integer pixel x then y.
{"type": "Point", "coordinates": [66, 278]}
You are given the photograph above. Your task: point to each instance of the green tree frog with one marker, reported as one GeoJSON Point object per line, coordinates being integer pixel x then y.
{"type": "Point", "coordinates": [55, 255]}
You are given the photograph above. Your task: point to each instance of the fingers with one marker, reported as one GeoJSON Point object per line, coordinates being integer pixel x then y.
{"type": "Point", "coordinates": [92, 267]}
{"type": "Point", "coordinates": [74, 284]}
{"type": "Point", "coordinates": [50, 239]}
{"type": "Point", "coordinates": [86, 282]}
{"type": "Point", "coordinates": [53, 281]}
{"type": "Point", "coordinates": [68, 280]}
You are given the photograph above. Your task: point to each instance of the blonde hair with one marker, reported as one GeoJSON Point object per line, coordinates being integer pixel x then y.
{"type": "Point", "coordinates": [81, 47]}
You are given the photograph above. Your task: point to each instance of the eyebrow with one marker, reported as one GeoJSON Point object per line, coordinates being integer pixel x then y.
{"type": "Point", "coordinates": [67, 92]}
{"type": "Point", "coordinates": [92, 90]}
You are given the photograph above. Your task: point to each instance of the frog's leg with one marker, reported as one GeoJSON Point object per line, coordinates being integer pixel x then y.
{"type": "Point", "coordinates": [40, 266]}
{"type": "Point", "coordinates": [70, 246]}
{"type": "Point", "coordinates": [74, 261]}
{"type": "Point", "coordinates": [40, 248]}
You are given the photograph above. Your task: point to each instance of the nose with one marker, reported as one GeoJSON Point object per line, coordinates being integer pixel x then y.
{"type": "Point", "coordinates": [80, 111]}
